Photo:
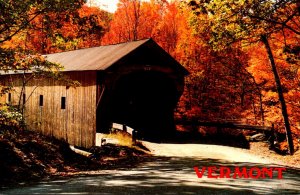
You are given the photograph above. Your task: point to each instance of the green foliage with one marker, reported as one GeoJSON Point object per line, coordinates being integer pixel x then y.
{"type": "Point", "coordinates": [10, 118]}
{"type": "Point", "coordinates": [20, 60]}
{"type": "Point", "coordinates": [231, 20]}
{"type": "Point", "coordinates": [16, 17]}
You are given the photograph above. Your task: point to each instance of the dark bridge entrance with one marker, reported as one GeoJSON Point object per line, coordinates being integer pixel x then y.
{"type": "Point", "coordinates": [139, 88]}
{"type": "Point", "coordinates": [145, 101]}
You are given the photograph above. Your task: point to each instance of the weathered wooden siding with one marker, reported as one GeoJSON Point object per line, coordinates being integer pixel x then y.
{"type": "Point", "coordinates": [3, 98]}
{"type": "Point", "coordinates": [75, 124]}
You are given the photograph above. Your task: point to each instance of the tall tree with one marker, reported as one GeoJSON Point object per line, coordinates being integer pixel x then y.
{"type": "Point", "coordinates": [55, 32]}
{"type": "Point", "coordinates": [128, 13]}
{"type": "Point", "coordinates": [252, 21]}
{"type": "Point", "coordinates": [134, 20]}
{"type": "Point", "coordinates": [16, 15]}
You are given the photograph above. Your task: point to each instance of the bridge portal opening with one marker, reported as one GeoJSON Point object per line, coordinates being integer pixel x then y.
{"type": "Point", "coordinates": [145, 101]}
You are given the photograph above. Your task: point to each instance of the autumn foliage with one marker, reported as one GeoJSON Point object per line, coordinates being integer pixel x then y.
{"type": "Point", "coordinates": [63, 31]}
{"type": "Point", "coordinates": [231, 77]}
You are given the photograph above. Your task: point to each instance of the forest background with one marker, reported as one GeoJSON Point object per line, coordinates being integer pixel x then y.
{"type": "Point", "coordinates": [243, 55]}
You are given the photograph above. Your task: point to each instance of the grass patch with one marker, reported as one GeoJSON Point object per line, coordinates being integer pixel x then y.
{"type": "Point", "coordinates": [124, 138]}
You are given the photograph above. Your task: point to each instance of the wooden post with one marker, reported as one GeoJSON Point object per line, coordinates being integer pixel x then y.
{"type": "Point", "coordinates": [124, 128]}
{"type": "Point", "coordinates": [111, 129]}
{"type": "Point", "coordinates": [134, 136]}
{"type": "Point", "coordinates": [272, 137]}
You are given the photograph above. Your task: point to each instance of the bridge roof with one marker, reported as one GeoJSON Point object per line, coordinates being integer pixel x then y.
{"type": "Point", "coordinates": [104, 57]}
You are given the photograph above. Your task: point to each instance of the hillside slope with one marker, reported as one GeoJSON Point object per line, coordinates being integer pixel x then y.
{"type": "Point", "coordinates": [26, 156]}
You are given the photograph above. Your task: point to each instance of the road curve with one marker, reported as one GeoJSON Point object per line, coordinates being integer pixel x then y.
{"type": "Point", "coordinates": [171, 171]}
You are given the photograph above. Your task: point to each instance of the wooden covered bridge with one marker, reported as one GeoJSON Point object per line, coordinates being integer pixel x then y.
{"type": "Point", "coordinates": [135, 83]}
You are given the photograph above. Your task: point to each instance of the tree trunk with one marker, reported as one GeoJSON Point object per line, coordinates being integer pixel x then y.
{"type": "Point", "coordinates": [260, 99]}
{"type": "Point", "coordinates": [261, 109]}
{"type": "Point", "coordinates": [289, 137]}
{"type": "Point", "coordinates": [136, 10]}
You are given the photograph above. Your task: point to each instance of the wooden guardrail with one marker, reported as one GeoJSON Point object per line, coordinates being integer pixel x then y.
{"type": "Point", "coordinates": [225, 124]}
{"type": "Point", "coordinates": [268, 130]}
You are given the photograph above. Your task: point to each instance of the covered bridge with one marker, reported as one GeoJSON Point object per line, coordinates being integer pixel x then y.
{"type": "Point", "coordinates": [135, 83]}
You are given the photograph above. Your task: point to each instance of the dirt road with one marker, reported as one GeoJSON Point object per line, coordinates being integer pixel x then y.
{"type": "Point", "coordinates": [171, 171]}
{"type": "Point", "coordinates": [204, 151]}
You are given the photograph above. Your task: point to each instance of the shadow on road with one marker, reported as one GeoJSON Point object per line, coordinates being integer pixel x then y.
{"type": "Point", "coordinates": [223, 138]}
{"type": "Point", "coordinates": [166, 175]}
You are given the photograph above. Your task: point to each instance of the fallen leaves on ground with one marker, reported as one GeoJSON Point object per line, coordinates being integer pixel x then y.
{"type": "Point", "coordinates": [26, 156]}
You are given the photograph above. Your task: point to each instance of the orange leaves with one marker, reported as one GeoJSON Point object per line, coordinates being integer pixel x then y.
{"type": "Point", "coordinates": [62, 31]}
{"type": "Point", "coordinates": [223, 83]}
{"type": "Point", "coordinates": [160, 21]}
{"type": "Point", "coordinates": [167, 31]}
{"type": "Point", "coordinates": [133, 20]}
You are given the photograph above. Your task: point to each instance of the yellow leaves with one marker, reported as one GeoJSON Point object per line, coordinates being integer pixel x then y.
{"type": "Point", "coordinates": [231, 27]}
{"type": "Point", "coordinates": [270, 95]}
